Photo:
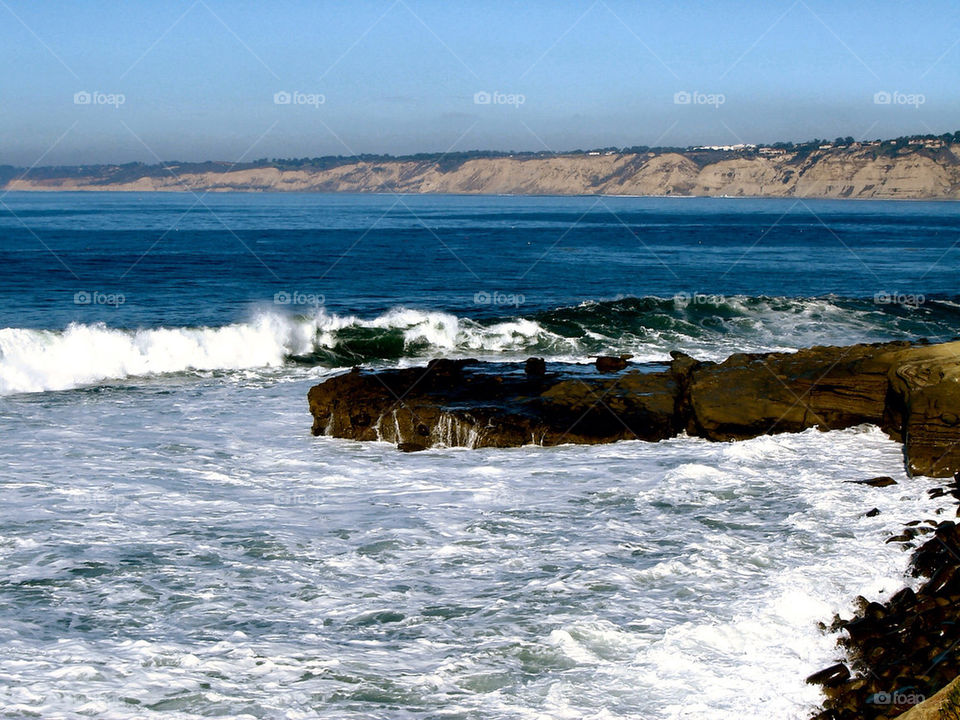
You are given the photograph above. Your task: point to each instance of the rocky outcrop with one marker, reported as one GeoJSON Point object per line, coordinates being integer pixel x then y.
{"type": "Point", "coordinates": [911, 391]}
{"type": "Point", "coordinates": [466, 403]}
{"type": "Point", "coordinates": [855, 171]}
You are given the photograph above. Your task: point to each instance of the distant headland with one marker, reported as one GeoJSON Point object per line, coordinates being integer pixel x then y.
{"type": "Point", "coordinates": [920, 167]}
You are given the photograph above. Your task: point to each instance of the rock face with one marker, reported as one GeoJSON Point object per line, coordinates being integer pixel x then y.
{"type": "Point", "coordinates": [911, 391]}
{"type": "Point", "coordinates": [466, 403]}
{"type": "Point", "coordinates": [925, 394]}
{"type": "Point", "coordinates": [945, 705]}
{"type": "Point", "coordinates": [750, 395]}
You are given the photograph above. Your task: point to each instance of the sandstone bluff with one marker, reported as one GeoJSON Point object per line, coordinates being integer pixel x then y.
{"type": "Point", "coordinates": [929, 169]}
{"type": "Point", "coordinates": [911, 390]}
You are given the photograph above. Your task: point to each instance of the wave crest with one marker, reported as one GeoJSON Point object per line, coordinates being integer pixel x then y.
{"type": "Point", "coordinates": [710, 327]}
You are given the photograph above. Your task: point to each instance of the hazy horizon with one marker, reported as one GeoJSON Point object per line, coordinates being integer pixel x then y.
{"type": "Point", "coordinates": [206, 80]}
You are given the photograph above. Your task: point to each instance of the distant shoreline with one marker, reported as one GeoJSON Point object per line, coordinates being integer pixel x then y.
{"type": "Point", "coordinates": [104, 190]}
{"type": "Point", "coordinates": [924, 168]}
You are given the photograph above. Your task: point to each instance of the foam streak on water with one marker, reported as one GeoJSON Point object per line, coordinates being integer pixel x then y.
{"type": "Point", "coordinates": [315, 577]}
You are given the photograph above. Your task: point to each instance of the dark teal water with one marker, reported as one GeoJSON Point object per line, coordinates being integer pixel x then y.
{"type": "Point", "coordinates": [178, 260]}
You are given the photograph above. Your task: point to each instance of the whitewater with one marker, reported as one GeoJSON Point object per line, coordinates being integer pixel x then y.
{"type": "Point", "coordinates": [649, 328]}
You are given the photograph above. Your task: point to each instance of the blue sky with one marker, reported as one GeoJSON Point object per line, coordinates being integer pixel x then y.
{"type": "Point", "coordinates": [198, 80]}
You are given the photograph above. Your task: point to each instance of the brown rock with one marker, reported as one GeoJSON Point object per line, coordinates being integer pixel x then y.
{"type": "Point", "coordinates": [831, 676]}
{"type": "Point", "coordinates": [826, 387]}
{"type": "Point", "coordinates": [465, 403]}
{"type": "Point", "coordinates": [925, 387]}
{"type": "Point", "coordinates": [608, 364]}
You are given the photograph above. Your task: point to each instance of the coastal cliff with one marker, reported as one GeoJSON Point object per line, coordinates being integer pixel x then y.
{"type": "Point", "coordinates": [912, 391]}
{"type": "Point", "coordinates": [911, 169]}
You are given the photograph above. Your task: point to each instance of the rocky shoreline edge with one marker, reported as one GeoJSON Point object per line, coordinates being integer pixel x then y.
{"type": "Point", "coordinates": [910, 390]}
{"type": "Point", "coordinates": [899, 656]}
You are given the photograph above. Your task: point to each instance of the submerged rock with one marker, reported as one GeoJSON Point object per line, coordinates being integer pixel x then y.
{"type": "Point", "coordinates": [612, 364]}
{"type": "Point", "coordinates": [882, 481]}
{"type": "Point", "coordinates": [910, 390]}
{"type": "Point", "coordinates": [536, 367]}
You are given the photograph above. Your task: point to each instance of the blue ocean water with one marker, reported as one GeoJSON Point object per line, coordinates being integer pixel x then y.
{"type": "Point", "coordinates": [183, 261]}
{"type": "Point", "coordinates": [177, 543]}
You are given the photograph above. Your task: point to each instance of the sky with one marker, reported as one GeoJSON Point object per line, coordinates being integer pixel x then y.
{"type": "Point", "coordinates": [115, 82]}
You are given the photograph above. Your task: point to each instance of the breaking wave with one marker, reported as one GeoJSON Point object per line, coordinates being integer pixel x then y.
{"type": "Point", "coordinates": [708, 327]}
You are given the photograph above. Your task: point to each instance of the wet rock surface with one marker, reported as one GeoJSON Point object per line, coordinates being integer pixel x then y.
{"type": "Point", "coordinates": [910, 390]}
{"type": "Point", "coordinates": [472, 404]}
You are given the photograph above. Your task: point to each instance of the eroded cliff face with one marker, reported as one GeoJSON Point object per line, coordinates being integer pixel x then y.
{"type": "Point", "coordinates": [831, 173]}
{"type": "Point", "coordinates": [911, 391]}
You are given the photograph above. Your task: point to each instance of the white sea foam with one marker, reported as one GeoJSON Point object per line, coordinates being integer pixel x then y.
{"type": "Point", "coordinates": [38, 360]}
{"type": "Point", "coordinates": [218, 565]}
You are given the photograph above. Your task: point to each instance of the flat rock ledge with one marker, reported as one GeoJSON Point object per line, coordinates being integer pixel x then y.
{"type": "Point", "coordinates": [910, 390]}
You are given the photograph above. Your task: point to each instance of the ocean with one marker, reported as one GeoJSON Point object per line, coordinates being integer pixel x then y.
{"type": "Point", "coordinates": [176, 543]}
